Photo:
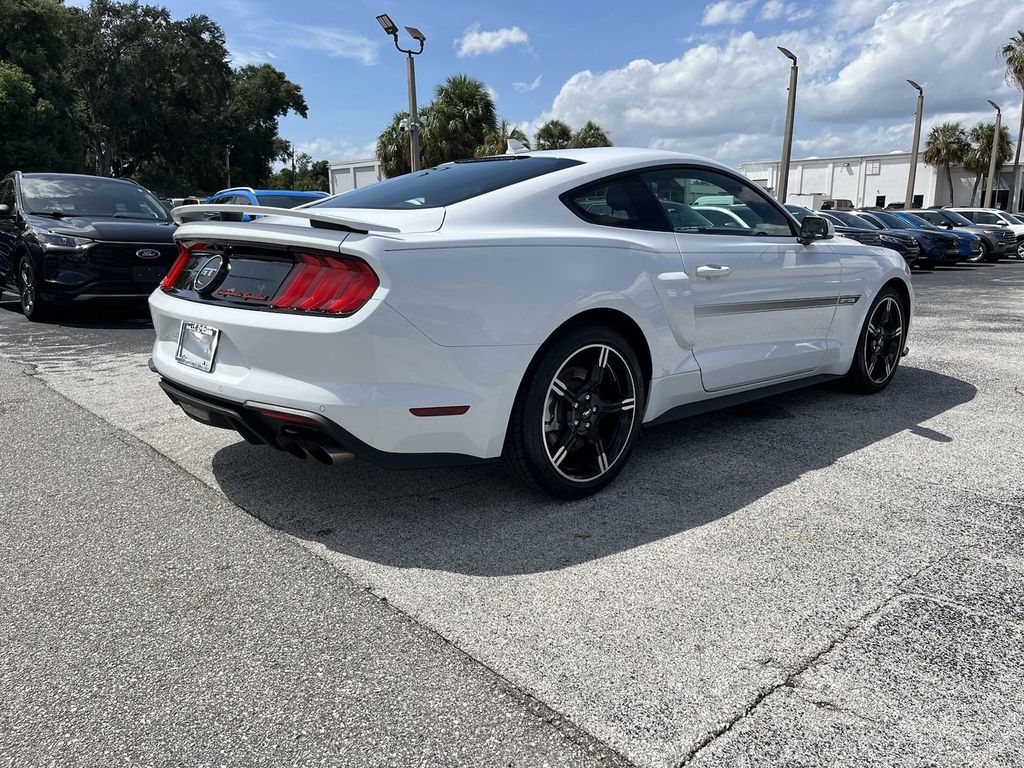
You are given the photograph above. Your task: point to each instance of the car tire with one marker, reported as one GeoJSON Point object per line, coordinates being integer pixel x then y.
{"type": "Point", "coordinates": [1020, 248]}
{"type": "Point", "coordinates": [577, 414]}
{"type": "Point", "coordinates": [984, 255]}
{"type": "Point", "coordinates": [880, 345]}
{"type": "Point", "coordinates": [33, 306]}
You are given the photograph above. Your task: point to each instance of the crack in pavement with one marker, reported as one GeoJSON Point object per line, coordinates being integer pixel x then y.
{"type": "Point", "coordinates": [789, 681]}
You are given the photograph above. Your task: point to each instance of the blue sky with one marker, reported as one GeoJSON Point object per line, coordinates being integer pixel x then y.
{"type": "Point", "coordinates": [692, 75]}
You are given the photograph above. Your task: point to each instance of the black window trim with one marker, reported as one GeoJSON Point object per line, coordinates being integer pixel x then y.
{"type": "Point", "coordinates": [567, 198]}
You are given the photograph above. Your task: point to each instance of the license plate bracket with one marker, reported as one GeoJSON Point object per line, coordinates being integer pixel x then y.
{"type": "Point", "coordinates": [197, 345]}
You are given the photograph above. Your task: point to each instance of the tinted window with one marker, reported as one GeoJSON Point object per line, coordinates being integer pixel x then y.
{"type": "Point", "coordinates": [223, 200]}
{"type": "Point", "coordinates": [984, 217]}
{"type": "Point", "coordinates": [620, 202]}
{"type": "Point", "coordinates": [915, 221]}
{"type": "Point", "coordinates": [853, 220]}
{"type": "Point", "coordinates": [284, 201]}
{"type": "Point", "coordinates": [890, 221]}
{"type": "Point", "coordinates": [679, 189]}
{"type": "Point", "coordinates": [951, 216]}
{"type": "Point", "coordinates": [7, 195]}
{"type": "Point", "coordinates": [798, 212]}
{"type": "Point", "coordinates": [89, 196]}
{"type": "Point", "coordinates": [447, 184]}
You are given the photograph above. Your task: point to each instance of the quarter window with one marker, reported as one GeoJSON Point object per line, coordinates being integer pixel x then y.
{"type": "Point", "coordinates": [695, 199]}
{"type": "Point", "coordinates": [619, 202]}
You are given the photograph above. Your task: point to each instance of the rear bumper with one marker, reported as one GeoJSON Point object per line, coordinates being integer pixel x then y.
{"type": "Point", "coordinates": [360, 376]}
{"type": "Point", "coordinates": [300, 433]}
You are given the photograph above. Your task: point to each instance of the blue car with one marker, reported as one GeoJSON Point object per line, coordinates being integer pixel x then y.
{"type": "Point", "coordinates": [937, 246]}
{"type": "Point", "coordinates": [274, 198]}
{"type": "Point", "coordinates": [970, 243]}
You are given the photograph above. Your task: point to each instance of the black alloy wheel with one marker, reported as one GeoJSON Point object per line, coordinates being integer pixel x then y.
{"type": "Point", "coordinates": [576, 420]}
{"type": "Point", "coordinates": [33, 306]}
{"type": "Point", "coordinates": [881, 345]}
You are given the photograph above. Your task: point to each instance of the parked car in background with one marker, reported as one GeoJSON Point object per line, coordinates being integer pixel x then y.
{"type": "Point", "coordinates": [937, 246]}
{"type": "Point", "coordinates": [868, 236]}
{"type": "Point", "coordinates": [970, 244]}
{"type": "Point", "coordinates": [68, 238]}
{"type": "Point", "coordinates": [999, 219]}
{"type": "Point", "coordinates": [721, 216]}
{"type": "Point", "coordinates": [904, 244]}
{"type": "Point", "coordinates": [432, 319]}
{"type": "Point", "coordinates": [996, 241]}
{"type": "Point", "coordinates": [268, 198]}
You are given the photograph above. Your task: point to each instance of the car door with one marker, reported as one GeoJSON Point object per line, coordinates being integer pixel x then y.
{"type": "Point", "coordinates": [762, 301]}
{"type": "Point", "coordinates": [9, 232]}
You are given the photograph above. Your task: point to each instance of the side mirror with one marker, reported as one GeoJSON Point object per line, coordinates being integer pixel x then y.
{"type": "Point", "coordinates": [815, 228]}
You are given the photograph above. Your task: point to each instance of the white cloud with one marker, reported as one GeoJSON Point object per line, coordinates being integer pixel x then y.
{"type": "Point", "coordinates": [527, 87]}
{"type": "Point", "coordinates": [777, 9]}
{"type": "Point", "coordinates": [773, 9]}
{"type": "Point", "coordinates": [725, 12]}
{"type": "Point", "coordinates": [493, 94]}
{"type": "Point", "coordinates": [333, 149]}
{"type": "Point", "coordinates": [269, 35]}
{"type": "Point", "coordinates": [243, 58]}
{"type": "Point", "coordinates": [726, 98]}
{"type": "Point", "coordinates": [476, 41]}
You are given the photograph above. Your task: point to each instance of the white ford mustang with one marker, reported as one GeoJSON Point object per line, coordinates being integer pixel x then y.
{"type": "Point", "coordinates": [539, 306]}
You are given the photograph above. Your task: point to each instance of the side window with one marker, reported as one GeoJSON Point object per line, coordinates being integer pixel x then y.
{"type": "Point", "coordinates": [242, 200]}
{"type": "Point", "coordinates": [969, 215]}
{"type": "Point", "coordinates": [707, 202]}
{"type": "Point", "coordinates": [620, 202]}
{"type": "Point", "coordinates": [934, 218]}
{"type": "Point", "coordinates": [984, 217]}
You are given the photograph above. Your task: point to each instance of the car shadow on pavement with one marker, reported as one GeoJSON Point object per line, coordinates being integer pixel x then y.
{"type": "Point", "coordinates": [477, 521]}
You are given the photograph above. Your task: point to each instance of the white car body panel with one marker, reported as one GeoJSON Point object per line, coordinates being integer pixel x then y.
{"type": "Point", "coordinates": [469, 293]}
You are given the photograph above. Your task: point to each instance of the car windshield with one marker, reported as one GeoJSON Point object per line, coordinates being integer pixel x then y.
{"type": "Point", "coordinates": [852, 220]}
{"type": "Point", "coordinates": [448, 184]}
{"type": "Point", "coordinates": [89, 196]}
{"type": "Point", "coordinates": [915, 221]}
{"type": "Point", "coordinates": [955, 218]}
{"type": "Point", "coordinates": [285, 201]}
{"type": "Point", "coordinates": [1017, 218]}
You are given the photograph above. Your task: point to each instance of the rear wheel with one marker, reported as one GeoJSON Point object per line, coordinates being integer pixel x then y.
{"type": "Point", "coordinates": [881, 344]}
{"type": "Point", "coordinates": [1020, 248]}
{"type": "Point", "coordinates": [34, 306]}
{"type": "Point", "coordinates": [577, 417]}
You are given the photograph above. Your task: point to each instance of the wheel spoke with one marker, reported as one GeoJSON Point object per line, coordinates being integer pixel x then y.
{"type": "Point", "coordinates": [626, 405]}
{"type": "Point", "coordinates": [562, 391]}
{"type": "Point", "coordinates": [602, 460]}
{"type": "Point", "coordinates": [562, 447]}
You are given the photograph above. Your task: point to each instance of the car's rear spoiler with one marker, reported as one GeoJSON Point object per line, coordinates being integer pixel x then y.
{"type": "Point", "coordinates": [185, 213]}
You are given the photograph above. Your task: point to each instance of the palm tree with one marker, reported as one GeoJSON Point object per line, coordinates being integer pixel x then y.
{"type": "Point", "coordinates": [1013, 55]}
{"type": "Point", "coordinates": [496, 141]}
{"type": "Point", "coordinates": [554, 134]}
{"type": "Point", "coordinates": [590, 135]}
{"type": "Point", "coordinates": [946, 145]}
{"type": "Point", "coordinates": [980, 152]}
{"type": "Point", "coordinates": [456, 121]}
{"type": "Point", "coordinates": [393, 147]}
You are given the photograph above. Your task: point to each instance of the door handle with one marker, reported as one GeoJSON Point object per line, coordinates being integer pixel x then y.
{"type": "Point", "coordinates": [713, 270]}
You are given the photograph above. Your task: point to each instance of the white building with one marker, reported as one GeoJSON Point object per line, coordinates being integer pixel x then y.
{"type": "Point", "coordinates": [877, 180]}
{"type": "Point", "coordinates": [353, 174]}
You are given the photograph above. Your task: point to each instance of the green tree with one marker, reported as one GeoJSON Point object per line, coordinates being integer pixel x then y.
{"type": "Point", "coordinates": [1013, 55]}
{"type": "Point", "coordinates": [554, 134]}
{"type": "Point", "coordinates": [393, 147]}
{"type": "Point", "coordinates": [496, 141]}
{"type": "Point", "coordinates": [946, 145]}
{"type": "Point", "coordinates": [980, 152]}
{"type": "Point", "coordinates": [590, 135]}
{"type": "Point", "coordinates": [37, 131]}
{"type": "Point", "coordinates": [456, 121]}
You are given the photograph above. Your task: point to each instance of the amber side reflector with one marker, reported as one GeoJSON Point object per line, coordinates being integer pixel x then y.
{"type": "Point", "coordinates": [445, 410]}
{"type": "Point", "coordinates": [286, 417]}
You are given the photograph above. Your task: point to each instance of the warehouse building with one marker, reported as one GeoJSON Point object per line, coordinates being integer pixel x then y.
{"type": "Point", "coordinates": [353, 174]}
{"type": "Point", "coordinates": [876, 180]}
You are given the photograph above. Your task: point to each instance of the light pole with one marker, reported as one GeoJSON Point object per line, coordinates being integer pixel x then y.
{"type": "Point", "coordinates": [227, 161]}
{"type": "Point", "coordinates": [414, 128]}
{"type": "Point", "coordinates": [787, 139]}
{"type": "Point", "coordinates": [909, 199]}
{"type": "Point", "coordinates": [992, 160]}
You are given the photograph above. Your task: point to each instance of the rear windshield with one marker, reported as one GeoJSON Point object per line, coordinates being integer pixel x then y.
{"type": "Point", "coordinates": [447, 184]}
{"type": "Point", "coordinates": [285, 201]}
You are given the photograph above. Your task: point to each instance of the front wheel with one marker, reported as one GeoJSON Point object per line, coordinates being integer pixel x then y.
{"type": "Point", "coordinates": [34, 306]}
{"type": "Point", "coordinates": [577, 417]}
{"type": "Point", "coordinates": [985, 254]}
{"type": "Point", "coordinates": [881, 344]}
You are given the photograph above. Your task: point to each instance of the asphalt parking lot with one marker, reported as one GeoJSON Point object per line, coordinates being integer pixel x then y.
{"type": "Point", "coordinates": [815, 579]}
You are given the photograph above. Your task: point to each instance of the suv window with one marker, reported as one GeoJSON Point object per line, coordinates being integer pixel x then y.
{"type": "Point", "coordinates": [618, 202]}
{"type": "Point", "coordinates": [984, 217]}
{"type": "Point", "coordinates": [679, 189]}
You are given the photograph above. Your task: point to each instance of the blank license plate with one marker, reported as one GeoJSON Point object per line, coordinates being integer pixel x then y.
{"type": "Point", "coordinates": [148, 274]}
{"type": "Point", "coordinates": [197, 344]}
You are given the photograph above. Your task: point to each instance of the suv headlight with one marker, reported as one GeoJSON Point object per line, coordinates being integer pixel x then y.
{"type": "Point", "coordinates": [51, 241]}
{"type": "Point", "coordinates": [891, 239]}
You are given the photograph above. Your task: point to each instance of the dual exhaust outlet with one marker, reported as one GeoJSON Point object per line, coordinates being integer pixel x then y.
{"type": "Point", "coordinates": [325, 453]}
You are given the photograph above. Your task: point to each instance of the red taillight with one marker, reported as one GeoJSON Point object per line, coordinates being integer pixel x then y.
{"type": "Point", "coordinates": [184, 254]}
{"type": "Point", "coordinates": [326, 284]}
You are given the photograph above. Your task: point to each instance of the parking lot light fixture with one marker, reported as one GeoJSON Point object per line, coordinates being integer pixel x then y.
{"type": "Point", "coordinates": [990, 187]}
{"type": "Point", "coordinates": [787, 139]}
{"type": "Point", "coordinates": [909, 199]}
{"type": "Point", "coordinates": [391, 28]}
